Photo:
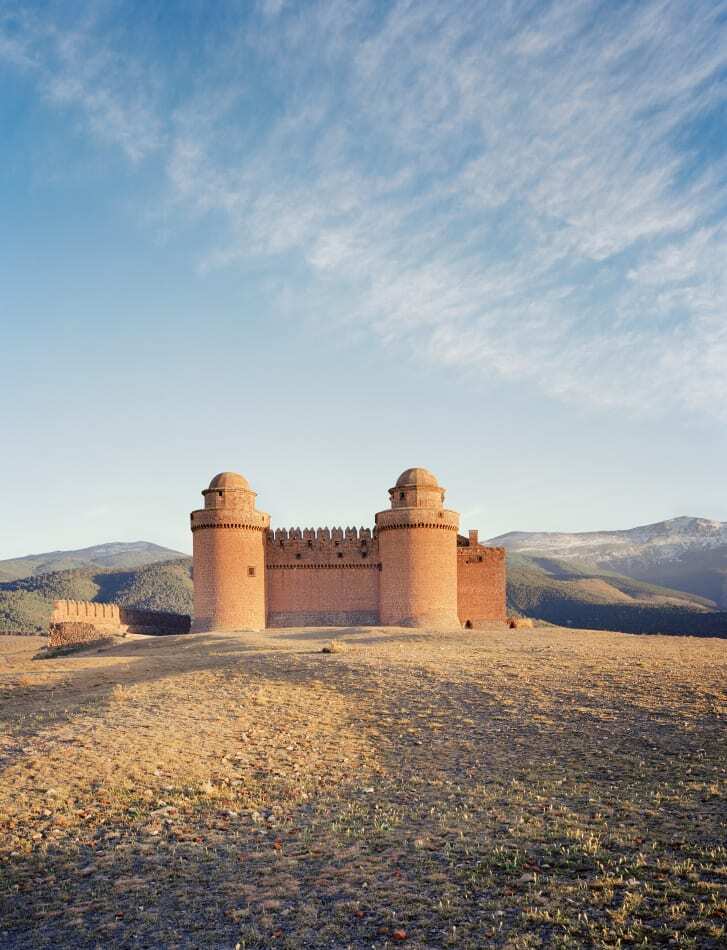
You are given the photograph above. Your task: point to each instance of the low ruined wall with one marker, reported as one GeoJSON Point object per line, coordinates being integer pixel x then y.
{"type": "Point", "coordinates": [105, 620]}
{"type": "Point", "coordinates": [67, 633]}
{"type": "Point", "coordinates": [481, 584]}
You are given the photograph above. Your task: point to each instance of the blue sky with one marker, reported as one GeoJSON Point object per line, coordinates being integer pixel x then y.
{"type": "Point", "coordinates": [318, 243]}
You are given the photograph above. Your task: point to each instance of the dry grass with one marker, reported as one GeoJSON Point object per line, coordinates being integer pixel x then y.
{"type": "Point", "coordinates": [121, 693]}
{"type": "Point", "coordinates": [539, 788]}
{"type": "Point", "coordinates": [334, 646]}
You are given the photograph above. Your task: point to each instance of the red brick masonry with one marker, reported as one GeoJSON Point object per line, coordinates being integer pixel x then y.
{"type": "Point", "coordinates": [67, 633]}
{"type": "Point", "coordinates": [412, 569]}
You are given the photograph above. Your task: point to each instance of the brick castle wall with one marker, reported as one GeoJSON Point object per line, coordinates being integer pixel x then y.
{"type": "Point", "coordinates": [481, 584]}
{"type": "Point", "coordinates": [322, 577]}
{"type": "Point", "coordinates": [333, 577]}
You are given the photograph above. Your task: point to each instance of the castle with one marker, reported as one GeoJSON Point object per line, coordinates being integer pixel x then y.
{"type": "Point", "coordinates": [414, 569]}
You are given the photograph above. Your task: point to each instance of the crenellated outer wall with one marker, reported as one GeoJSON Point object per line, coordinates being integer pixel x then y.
{"type": "Point", "coordinates": [334, 577]}
{"type": "Point", "coordinates": [322, 577]}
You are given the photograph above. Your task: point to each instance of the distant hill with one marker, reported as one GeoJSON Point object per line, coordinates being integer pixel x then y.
{"type": "Point", "coordinates": [575, 595]}
{"type": "Point", "coordinates": [26, 603]}
{"type": "Point", "coordinates": [114, 555]}
{"type": "Point", "coordinates": [687, 554]}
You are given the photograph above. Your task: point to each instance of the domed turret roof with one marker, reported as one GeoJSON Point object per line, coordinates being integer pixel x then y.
{"type": "Point", "coordinates": [230, 480]}
{"type": "Point", "coordinates": [417, 476]}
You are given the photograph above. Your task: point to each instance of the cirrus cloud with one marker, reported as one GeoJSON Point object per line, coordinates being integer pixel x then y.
{"type": "Point", "coordinates": [525, 190]}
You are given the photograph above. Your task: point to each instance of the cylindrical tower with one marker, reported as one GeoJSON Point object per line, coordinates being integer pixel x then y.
{"type": "Point", "coordinates": [228, 557]}
{"type": "Point", "coordinates": [418, 551]}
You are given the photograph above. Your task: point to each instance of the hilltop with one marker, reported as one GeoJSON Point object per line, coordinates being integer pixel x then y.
{"type": "Point", "coordinates": [510, 788]}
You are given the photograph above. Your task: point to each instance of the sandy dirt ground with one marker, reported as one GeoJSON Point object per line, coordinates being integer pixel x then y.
{"type": "Point", "coordinates": [504, 788]}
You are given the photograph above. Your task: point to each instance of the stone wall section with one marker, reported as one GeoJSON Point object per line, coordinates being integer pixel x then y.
{"type": "Point", "coordinates": [104, 618]}
{"type": "Point", "coordinates": [75, 618]}
{"type": "Point", "coordinates": [322, 577]}
{"type": "Point", "coordinates": [70, 632]}
{"type": "Point", "coordinates": [481, 584]}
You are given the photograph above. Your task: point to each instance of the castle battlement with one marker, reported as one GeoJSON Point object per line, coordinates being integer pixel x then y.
{"type": "Point", "coordinates": [412, 568]}
{"type": "Point", "coordinates": [319, 536]}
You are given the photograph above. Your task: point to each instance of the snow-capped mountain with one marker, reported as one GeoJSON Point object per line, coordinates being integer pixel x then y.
{"type": "Point", "coordinates": [684, 553]}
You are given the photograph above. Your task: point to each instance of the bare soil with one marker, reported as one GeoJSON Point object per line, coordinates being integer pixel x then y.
{"type": "Point", "coordinates": [503, 788]}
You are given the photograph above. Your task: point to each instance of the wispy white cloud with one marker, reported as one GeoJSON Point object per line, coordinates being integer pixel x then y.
{"type": "Point", "coordinates": [73, 70]}
{"type": "Point", "coordinates": [518, 189]}
{"type": "Point", "coordinates": [271, 8]}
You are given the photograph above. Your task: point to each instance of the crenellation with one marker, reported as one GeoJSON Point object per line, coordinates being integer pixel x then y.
{"type": "Point", "coordinates": [318, 541]}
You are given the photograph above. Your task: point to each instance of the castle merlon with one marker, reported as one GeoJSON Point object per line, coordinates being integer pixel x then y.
{"type": "Point", "coordinates": [320, 536]}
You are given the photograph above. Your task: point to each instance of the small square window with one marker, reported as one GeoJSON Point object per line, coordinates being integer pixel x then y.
{"type": "Point", "coordinates": [401, 496]}
{"type": "Point", "coordinates": [340, 553]}
{"type": "Point", "coordinates": [251, 572]}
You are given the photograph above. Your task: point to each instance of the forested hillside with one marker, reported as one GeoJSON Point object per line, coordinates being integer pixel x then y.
{"type": "Point", "coordinates": [573, 595]}
{"type": "Point", "coordinates": [26, 604]}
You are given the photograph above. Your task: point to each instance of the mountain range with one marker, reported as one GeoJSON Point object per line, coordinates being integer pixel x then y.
{"type": "Point", "coordinates": [687, 554]}
{"type": "Point", "coordinates": [615, 580]}
{"type": "Point", "coordinates": [114, 556]}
